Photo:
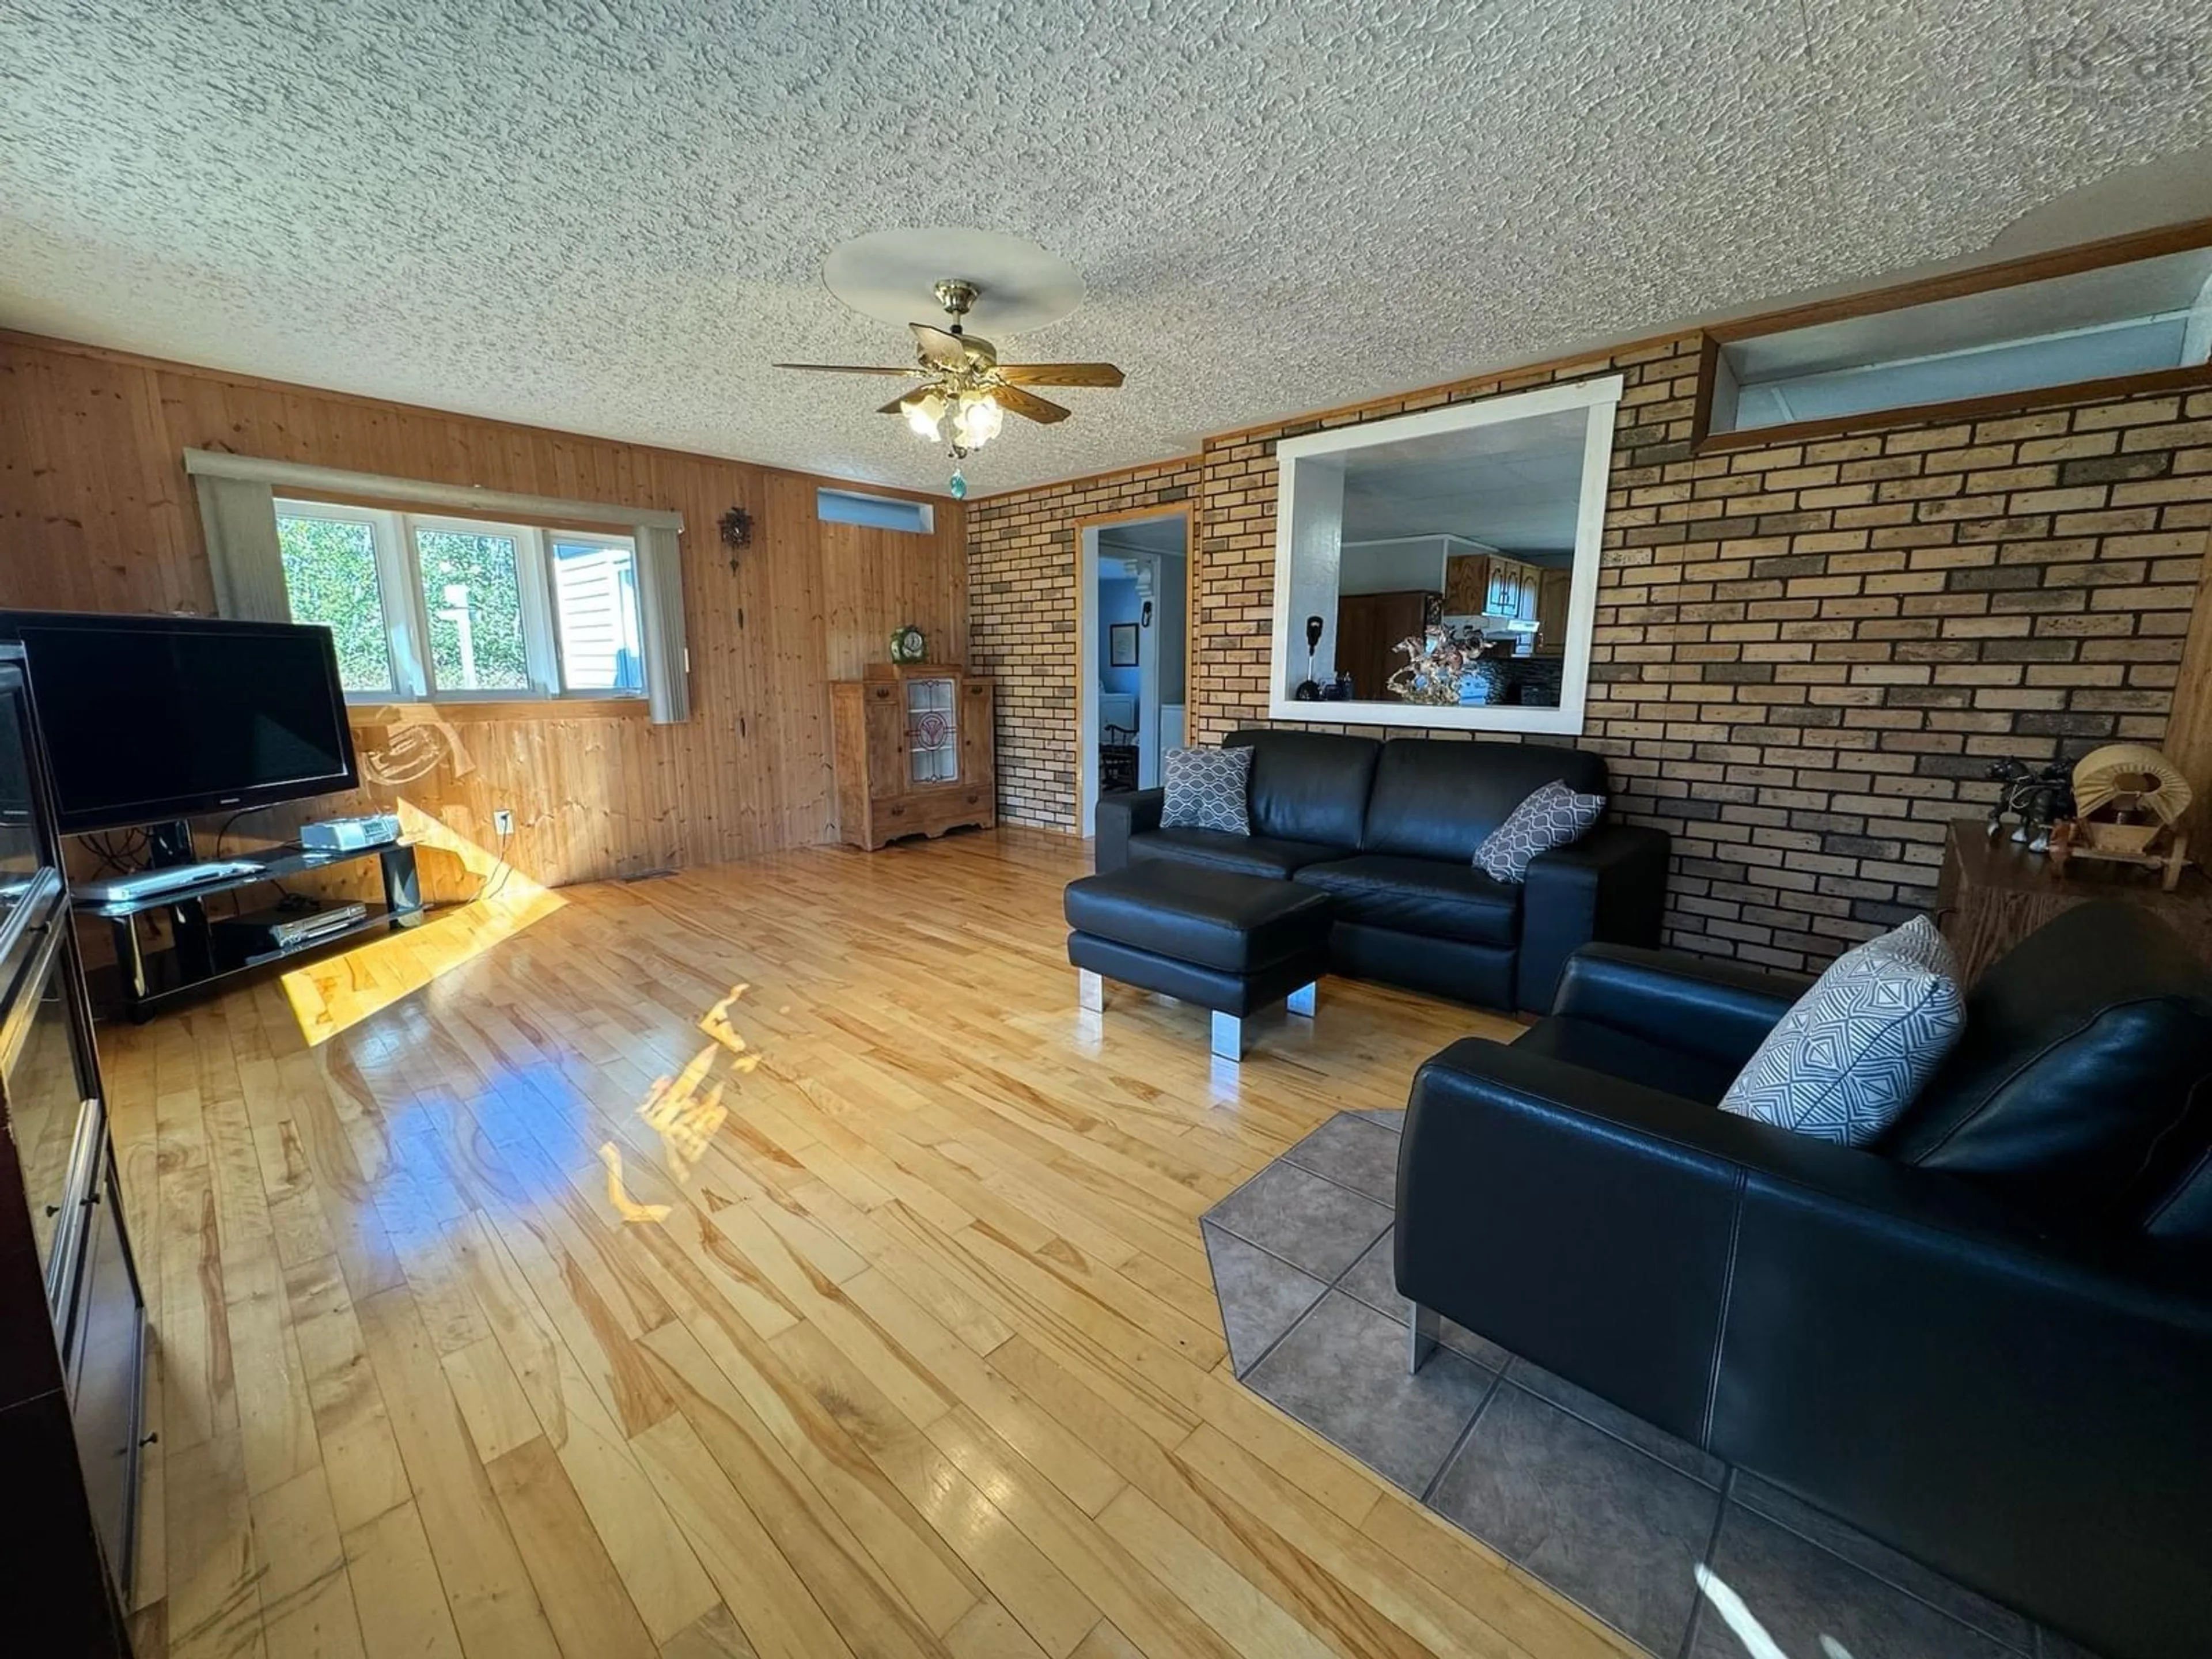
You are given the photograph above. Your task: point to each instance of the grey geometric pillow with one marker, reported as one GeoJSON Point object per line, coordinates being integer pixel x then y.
{"type": "Point", "coordinates": [1553, 816]}
{"type": "Point", "coordinates": [1918, 942]}
{"type": "Point", "coordinates": [1207, 789]}
{"type": "Point", "coordinates": [1858, 1047]}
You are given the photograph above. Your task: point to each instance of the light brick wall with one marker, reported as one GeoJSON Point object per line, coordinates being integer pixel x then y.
{"type": "Point", "coordinates": [1807, 656]}
{"type": "Point", "coordinates": [1021, 622]}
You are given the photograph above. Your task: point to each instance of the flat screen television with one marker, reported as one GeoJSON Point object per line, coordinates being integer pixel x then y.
{"type": "Point", "coordinates": [152, 718]}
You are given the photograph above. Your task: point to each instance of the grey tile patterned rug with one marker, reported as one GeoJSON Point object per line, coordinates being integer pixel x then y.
{"type": "Point", "coordinates": [1612, 1512]}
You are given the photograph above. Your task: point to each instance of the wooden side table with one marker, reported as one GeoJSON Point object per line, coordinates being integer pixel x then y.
{"type": "Point", "coordinates": [1993, 894]}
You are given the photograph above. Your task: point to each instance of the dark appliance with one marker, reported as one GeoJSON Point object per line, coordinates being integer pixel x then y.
{"type": "Point", "coordinates": [155, 717]}
{"type": "Point", "coordinates": [243, 941]}
{"type": "Point", "coordinates": [72, 1320]}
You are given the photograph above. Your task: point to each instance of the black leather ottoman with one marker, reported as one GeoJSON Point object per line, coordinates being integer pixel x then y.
{"type": "Point", "coordinates": [1233, 944]}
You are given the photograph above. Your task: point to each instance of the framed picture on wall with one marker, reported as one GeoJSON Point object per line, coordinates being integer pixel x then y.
{"type": "Point", "coordinates": [1121, 645]}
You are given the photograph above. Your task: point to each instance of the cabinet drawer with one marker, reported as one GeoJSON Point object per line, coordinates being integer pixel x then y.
{"type": "Point", "coordinates": [932, 813]}
{"type": "Point", "coordinates": [905, 817]}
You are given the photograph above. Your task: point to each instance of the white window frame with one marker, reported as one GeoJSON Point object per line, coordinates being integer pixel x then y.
{"type": "Point", "coordinates": [593, 538]}
{"type": "Point", "coordinates": [540, 661]}
{"type": "Point", "coordinates": [400, 635]}
{"type": "Point", "coordinates": [407, 606]}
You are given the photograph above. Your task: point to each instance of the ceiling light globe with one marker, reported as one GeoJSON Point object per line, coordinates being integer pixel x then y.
{"type": "Point", "coordinates": [924, 412]}
{"type": "Point", "coordinates": [976, 419]}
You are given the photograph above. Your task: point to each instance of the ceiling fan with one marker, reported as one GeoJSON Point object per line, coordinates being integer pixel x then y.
{"type": "Point", "coordinates": [966, 391]}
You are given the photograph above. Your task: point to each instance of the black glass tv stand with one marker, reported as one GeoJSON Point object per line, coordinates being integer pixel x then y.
{"type": "Point", "coordinates": [150, 980]}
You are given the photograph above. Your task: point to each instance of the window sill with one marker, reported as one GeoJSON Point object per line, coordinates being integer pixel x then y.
{"type": "Point", "coordinates": [500, 708]}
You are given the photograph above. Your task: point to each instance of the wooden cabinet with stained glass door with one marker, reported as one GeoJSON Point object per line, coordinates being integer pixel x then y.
{"type": "Point", "coordinates": [914, 753]}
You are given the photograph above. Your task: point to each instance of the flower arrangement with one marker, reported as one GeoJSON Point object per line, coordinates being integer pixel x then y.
{"type": "Point", "coordinates": [1436, 659]}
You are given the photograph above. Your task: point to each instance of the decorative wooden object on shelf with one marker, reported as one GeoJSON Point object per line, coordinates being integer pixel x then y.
{"type": "Point", "coordinates": [2135, 847]}
{"type": "Point", "coordinates": [914, 753]}
{"type": "Point", "coordinates": [2128, 798]}
{"type": "Point", "coordinates": [1993, 894]}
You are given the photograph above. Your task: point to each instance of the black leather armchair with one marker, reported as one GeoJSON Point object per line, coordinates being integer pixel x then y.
{"type": "Point", "coordinates": [2015, 1391]}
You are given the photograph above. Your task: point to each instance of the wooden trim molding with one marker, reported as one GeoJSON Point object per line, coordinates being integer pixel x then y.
{"type": "Point", "coordinates": [1701, 413]}
{"type": "Point", "coordinates": [1591, 362]}
{"type": "Point", "coordinates": [1981, 279]}
{"type": "Point", "coordinates": [1084, 480]}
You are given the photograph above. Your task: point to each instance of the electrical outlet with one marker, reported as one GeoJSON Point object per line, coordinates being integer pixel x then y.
{"type": "Point", "coordinates": [503, 821]}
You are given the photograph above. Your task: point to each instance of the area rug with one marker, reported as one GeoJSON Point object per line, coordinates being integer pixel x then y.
{"type": "Point", "coordinates": [1689, 1558]}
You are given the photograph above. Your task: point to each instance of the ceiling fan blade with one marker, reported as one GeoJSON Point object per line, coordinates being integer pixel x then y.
{"type": "Point", "coordinates": [1059, 373]}
{"type": "Point", "coordinates": [939, 348]}
{"type": "Point", "coordinates": [848, 368]}
{"type": "Point", "coordinates": [897, 406]}
{"type": "Point", "coordinates": [1015, 401]}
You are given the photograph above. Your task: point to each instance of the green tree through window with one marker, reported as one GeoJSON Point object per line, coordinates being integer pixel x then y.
{"type": "Point", "coordinates": [470, 586]}
{"type": "Point", "coordinates": [330, 571]}
{"type": "Point", "coordinates": [478, 607]}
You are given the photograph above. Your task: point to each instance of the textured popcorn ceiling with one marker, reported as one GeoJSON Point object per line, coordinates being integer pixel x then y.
{"type": "Point", "coordinates": [609, 216]}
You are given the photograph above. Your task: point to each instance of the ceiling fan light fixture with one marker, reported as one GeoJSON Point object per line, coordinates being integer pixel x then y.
{"type": "Point", "coordinates": [976, 418]}
{"type": "Point", "coordinates": [925, 414]}
{"type": "Point", "coordinates": [964, 393]}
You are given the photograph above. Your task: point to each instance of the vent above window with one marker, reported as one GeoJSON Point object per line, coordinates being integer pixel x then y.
{"type": "Point", "coordinates": [1898, 358]}
{"type": "Point", "coordinates": [875, 511]}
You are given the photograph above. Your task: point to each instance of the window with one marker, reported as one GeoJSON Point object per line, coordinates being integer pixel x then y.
{"type": "Point", "coordinates": [2020, 342]}
{"type": "Point", "coordinates": [471, 578]}
{"type": "Point", "coordinates": [875, 511]}
{"type": "Point", "coordinates": [595, 603]}
{"type": "Point", "coordinates": [330, 576]}
{"type": "Point", "coordinates": [423, 606]}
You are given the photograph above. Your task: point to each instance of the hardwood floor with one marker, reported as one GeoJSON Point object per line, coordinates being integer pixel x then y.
{"type": "Point", "coordinates": [767, 1260]}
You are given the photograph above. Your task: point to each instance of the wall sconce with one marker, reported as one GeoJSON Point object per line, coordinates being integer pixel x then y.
{"type": "Point", "coordinates": [1145, 617]}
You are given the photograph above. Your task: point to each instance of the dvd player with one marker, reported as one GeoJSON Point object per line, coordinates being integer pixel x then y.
{"type": "Point", "coordinates": [258, 933]}
{"type": "Point", "coordinates": [148, 884]}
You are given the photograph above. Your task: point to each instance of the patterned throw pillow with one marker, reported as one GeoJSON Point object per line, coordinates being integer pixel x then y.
{"type": "Point", "coordinates": [1857, 1048]}
{"type": "Point", "coordinates": [1919, 943]}
{"type": "Point", "coordinates": [1207, 789]}
{"type": "Point", "coordinates": [1554, 816]}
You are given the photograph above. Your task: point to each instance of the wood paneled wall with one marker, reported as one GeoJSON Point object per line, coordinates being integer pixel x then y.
{"type": "Point", "coordinates": [96, 514]}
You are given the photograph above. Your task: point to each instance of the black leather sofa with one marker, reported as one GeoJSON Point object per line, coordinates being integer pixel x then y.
{"type": "Point", "coordinates": [1389, 830]}
{"type": "Point", "coordinates": [1986, 1341]}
